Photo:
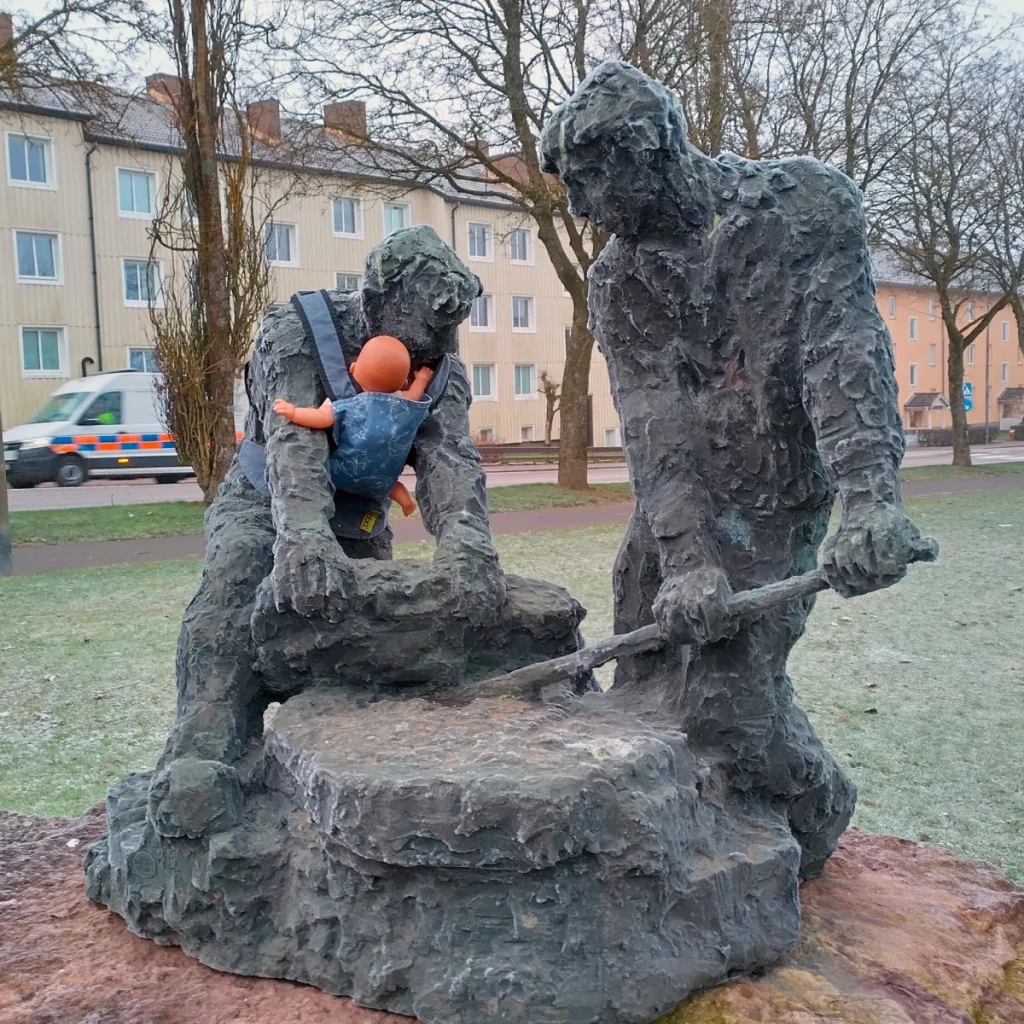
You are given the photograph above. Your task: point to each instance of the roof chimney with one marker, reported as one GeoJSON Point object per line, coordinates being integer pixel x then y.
{"type": "Point", "coordinates": [164, 88]}
{"type": "Point", "coordinates": [265, 119]}
{"type": "Point", "coordinates": [6, 29]}
{"type": "Point", "coordinates": [348, 117]}
{"type": "Point", "coordinates": [477, 148]}
{"type": "Point", "coordinates": [8, 58]}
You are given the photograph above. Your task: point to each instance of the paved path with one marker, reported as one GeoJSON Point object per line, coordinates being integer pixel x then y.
{"type": "Point", "coordinates": [46, 557]}
{"type": "Point", "coordinates": [139, 492]}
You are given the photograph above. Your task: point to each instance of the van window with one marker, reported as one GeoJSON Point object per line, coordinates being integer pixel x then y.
{"type": "Point", "coordinates": [105, 411]}
{"type": "Point", "coordinates": [60, 407]}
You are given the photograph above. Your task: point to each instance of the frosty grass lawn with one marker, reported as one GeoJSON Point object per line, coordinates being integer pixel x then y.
{"type": "Point", "coordinates": [918, 690]}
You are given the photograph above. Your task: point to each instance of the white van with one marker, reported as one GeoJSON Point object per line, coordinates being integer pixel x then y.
{"type": "Point", "coordinates": [107, 425]}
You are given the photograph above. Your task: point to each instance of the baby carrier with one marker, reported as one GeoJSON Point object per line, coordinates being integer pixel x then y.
{"type": "Point", "coordinates": [360, 515]}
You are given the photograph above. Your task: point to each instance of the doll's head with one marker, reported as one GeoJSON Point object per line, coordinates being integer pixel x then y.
{"type": "Point", "coordinates": [383, 365]}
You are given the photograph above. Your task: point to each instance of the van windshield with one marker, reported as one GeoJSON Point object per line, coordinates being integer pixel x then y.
{"type": "Point", "coordinates": [60, 407]}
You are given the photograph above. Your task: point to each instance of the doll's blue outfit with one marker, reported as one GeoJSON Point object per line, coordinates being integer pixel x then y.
{"type": "Point", "coordinates": [373, 435]}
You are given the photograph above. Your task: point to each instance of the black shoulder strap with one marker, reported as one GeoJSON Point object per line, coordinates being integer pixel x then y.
{"type": "Point", "coordinates": [435, 389]}
{"type": "Point", "coordinates": [317, 317]}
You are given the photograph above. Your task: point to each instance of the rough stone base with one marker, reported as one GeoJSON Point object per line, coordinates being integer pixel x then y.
{"type": "Point", "coordinates": [495, 862]}
{"type": "Point", "coordinates": [892, 932]}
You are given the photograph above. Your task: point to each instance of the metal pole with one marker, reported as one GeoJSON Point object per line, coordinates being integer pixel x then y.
{"type": "Point", "coordinates": [988, 363]}
{"type": "Point", "coordinates": [6, 566]}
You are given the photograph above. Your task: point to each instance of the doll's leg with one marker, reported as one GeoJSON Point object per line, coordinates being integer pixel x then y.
{"type": "Point", "coordinates": [400, 493]}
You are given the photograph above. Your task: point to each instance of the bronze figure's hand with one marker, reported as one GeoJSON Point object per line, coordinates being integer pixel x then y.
{"type": "Point", "coordinates": [693, 608]}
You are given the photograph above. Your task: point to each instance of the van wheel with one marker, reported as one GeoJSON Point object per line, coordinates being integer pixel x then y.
{"type": "Point", "coordinates": [71, 472]}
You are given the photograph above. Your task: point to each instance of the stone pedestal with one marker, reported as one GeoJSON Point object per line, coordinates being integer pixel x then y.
{"type": "Point", "coordinates": [496, 862]}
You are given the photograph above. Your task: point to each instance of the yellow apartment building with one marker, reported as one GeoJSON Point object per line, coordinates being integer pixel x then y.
{"type": "Point", "coordinates": [78, 194]}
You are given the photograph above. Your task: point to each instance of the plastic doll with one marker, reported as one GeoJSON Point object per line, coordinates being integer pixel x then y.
{"type": "Point", "coordinates": [373, 431]}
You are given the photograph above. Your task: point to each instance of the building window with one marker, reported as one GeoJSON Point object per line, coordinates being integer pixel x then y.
{"type": "Point", "coordinates": [970, 355]}
{"type": "Point", "coordinates": [1020, 357]}
{"type": "Point", "coordinates": [141, 283]}
{"type": "Point", "coordinates": [525, 380]}
{"type": "Point", "coordinates": [522, 313]}
{"type": "Point", "coordinates": [913, 375]}
{"type": "Point", "coordinates": [30, 161]}
{"type": "Point", "coordinates": [912, 328]}
{"type": "Point", "coordinates": [280, 245]}
{"type": "Point", "coordinates": [931, 309]}
{"type": "Point", "coordinates": [135, 191]}
{"type": "Point", "coordinates": [348, 217]}
{"type": "Point", "coordinates": [1005, 374]}
{"type": "Point", "coordinates": [347, 282]}
{"type": "Point", "coordinates": [43, 352]}
{"type": "Point", "coordinates": [520, 246]}
{"type": "Point", "coordinates": [892, 307]}
{"type": "Point", "coordinates": [480, 242]}
{"type": "Point", "coordinates": [970, 312]}
{"type": "Point", "coordinates": [568, 336]}
{"type": "Point", "coordinates": [485, 435]}
{"type": "Point", "coordinates": [611, 438]}
{"type": "Point", "coordinates": [396, 217]}
{"type": "Point", "coordinates": [481, 313]}
{"type": "Point", "coordinates": [526, 433]}
{"type": "Point", "coordinates": [1006, 331]}
{"type": "Point", "coordinates": [38, 257]}
{"type": "Point", "coordinates": [931, 355]}
{"type": "Point", "coordinates": [483, 381]}
{"type": "Point", "coordinates": [143, 359]}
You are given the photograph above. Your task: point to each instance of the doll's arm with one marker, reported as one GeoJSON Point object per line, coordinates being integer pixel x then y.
{"type": "Point", "coordinates": [420, 381]}
{"type": "Point", "coordinates": [315, 419]}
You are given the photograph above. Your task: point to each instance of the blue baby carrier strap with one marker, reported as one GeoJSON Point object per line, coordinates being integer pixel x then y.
{"type": "Point", "coordinates": [319, 321]}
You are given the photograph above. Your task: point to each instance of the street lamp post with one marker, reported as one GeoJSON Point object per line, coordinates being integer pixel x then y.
{"type": "Point", "coordinates": [988, 363]}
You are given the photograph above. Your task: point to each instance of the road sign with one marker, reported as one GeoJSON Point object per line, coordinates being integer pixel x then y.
{"type": "Point", "coordinates": [968, 396]}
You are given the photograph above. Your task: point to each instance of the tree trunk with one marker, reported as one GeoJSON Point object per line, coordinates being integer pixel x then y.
{"type": "Point", "coordinates": [549, 421]}
{"type": "Point", "coordinates": [211, 266]}
{"type": "Point", "coordinates": [574, 405]}
{"type": "Point", "coordinates": [958, 414]}
{"type": "Point", "coordinates": [5, 519]}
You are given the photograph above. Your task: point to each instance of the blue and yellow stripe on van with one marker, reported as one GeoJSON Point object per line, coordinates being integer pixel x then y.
{"type": "Point", "coordinates": [82, 443]}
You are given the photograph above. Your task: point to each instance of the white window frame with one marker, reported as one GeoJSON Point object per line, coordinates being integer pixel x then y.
{"type": "Point", "coordinates": [932, 354]}
{"type": "Point", "coordinates": [347, 273]}
{"type": "Point", "coordinates": [294, 243]}
{"type": "Point", "coordinates": [493, 396]}
{"type": "Point", "coordinates": [488, 256]}
{"type": "Point", "coordinates": [1004, 372]}
{"type": "Point", "coordinates": [49, 156]}
{"type": "Point", "coordinates": [489, 302]}
{"type": "Point", "coordinates": [913, 375]}
{"type": "Point", "coordinates": [912, 328]}
{"type": "Point", "coordinates": [384, 217]}
{"type": "Point", "coordinates": [530, 395]}
{"type": "Point", "coordinates": [528, 262]}
{"type": "Point", "coordinates": [158, 299]}
{"type": "Point", "coordinates": [970, 354]}
{"type": "Point", "coordinates": [63, 372]}
{"type": "Point", "coordinates": [155, 183]}
{"type": "Point", "coordinates": [58, 257]}
{"type": "Point", "coordinates": [892, 307]}
{"type": "Point", "coordinates": [614, 431]}
{"type": "Point", "coordinates": [1006, 332]}
{"type": "Point", "coordinates": [486, 440]}
{"type": "Point", "coordinates": [129, 349]}
{"type": "Point", "coordinates": [522, 429]}
{"type": "Point", "coordinates": [357, 217]}
{"type": "Point", "coordinates": [931, 309]}
{"type": "Point", "coordinates": [532, 307]}
{"type": "Point", "coordinates": [970, 311]}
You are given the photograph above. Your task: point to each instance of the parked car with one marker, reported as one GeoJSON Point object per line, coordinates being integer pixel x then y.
{"type": "Point", "coordinates": [107, 425]}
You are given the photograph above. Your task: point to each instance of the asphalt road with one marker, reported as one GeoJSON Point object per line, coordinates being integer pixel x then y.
{"type": "Point", "coordinates": [138, 492]}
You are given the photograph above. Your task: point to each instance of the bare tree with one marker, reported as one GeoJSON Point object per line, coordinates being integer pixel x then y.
{"type": "Point", "coordinates": [77, 43]}
{"type": "Point", "coordinates": [550, 390]}
{"type": "Point", "coordinates": [954, 212]}
{"type": "Point", "coordinates": [463, 88]}
{"type": "Point", "coordinates": [213, 226]}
